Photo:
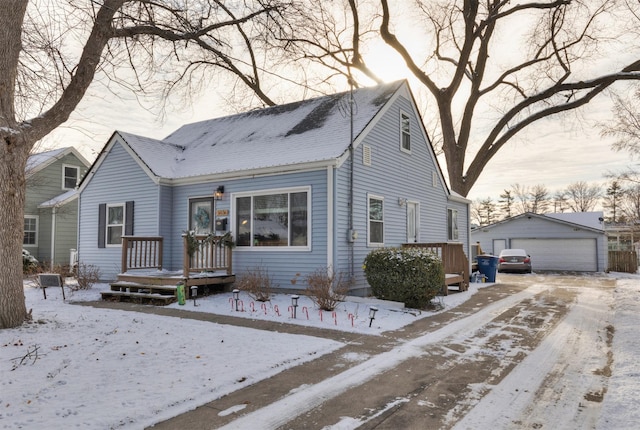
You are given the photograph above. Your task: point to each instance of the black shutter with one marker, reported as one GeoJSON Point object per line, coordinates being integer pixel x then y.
{"type": "Point", "coordinates": [128, 223]}
{"type": "Point", "coordinates": [102, 224]}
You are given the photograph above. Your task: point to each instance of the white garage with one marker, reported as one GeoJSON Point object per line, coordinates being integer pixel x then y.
{"type": "Point", "coordinates": [560, 254]}
{"type": "Point", "coordinates": [557, 242]}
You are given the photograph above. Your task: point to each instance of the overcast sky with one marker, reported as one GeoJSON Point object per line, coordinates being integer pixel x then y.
{"type": "Point", "coordinates": [555, 152]}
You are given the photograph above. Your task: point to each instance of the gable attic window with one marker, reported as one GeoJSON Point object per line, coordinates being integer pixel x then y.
{"type": "Point", "coordinates": [274, 219]}
{"type": "Point", "coordinates": [405, 132]}
{"type": "Point", "coordinates": [114, 221]}
{"type": "Point", "coordinates": [375, 233]}
{"type": "Point", "coordinates": [452, 224]}
{"type": "Point", "coordinates": [30, 230]}
{"type": "Point", "coordinates": [70, 177]}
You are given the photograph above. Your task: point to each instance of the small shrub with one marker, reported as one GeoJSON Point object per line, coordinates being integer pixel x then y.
{"type": "Point", "coordinates": [326, 289]}
{"type": "Point", "coordinates": [257, 283]}
{"type": "Point", "coordinates": [29, 263]}
{"type": "Point", "coordinates": [88, 275]}
{"type": "Point", "coordinates": [410, 275]}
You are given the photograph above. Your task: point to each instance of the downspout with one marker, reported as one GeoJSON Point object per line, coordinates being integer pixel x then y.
{"type": "Point", "coordinates": [54, 210]}
{"type": "Point", "coordinates": [351, 192]}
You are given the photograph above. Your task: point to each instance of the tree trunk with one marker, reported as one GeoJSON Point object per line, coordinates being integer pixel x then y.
{"type": "Point", "coordinates": [13, 158]}
{"type": "Point", "coordinates": [14, 150]}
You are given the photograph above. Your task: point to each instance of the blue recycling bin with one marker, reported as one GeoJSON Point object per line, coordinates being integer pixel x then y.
{"type": "Point", "coordinates": [488, 266]}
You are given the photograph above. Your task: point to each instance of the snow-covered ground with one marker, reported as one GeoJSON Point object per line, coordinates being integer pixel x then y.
{"type": "Point", "coordinates": [82, 367]}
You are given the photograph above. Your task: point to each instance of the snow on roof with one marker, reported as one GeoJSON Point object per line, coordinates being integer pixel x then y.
{"type": "Point", "coordinates": [35, 160]}
{"type": "Point", "coordinates": [310, 131]}
{"type": "Point", "coordinates": [59, 199]}
{"type": "Point", "coordinates": [589, 219]}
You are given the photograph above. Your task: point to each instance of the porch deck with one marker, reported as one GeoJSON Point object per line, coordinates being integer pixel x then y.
{"type": "Point", "coordinates": [454, 260]}
{"type": "Point", "coordinates": [207, 266]}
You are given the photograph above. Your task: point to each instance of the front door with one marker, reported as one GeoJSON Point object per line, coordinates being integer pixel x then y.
{"type": "Point", "coordinates": [413, 222]}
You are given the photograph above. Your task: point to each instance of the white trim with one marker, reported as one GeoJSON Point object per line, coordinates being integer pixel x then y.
{"type": "Point", "coordinates": [416, 220]}
{"type": "Point", "coordinates": [106, 223]}
{"type": "Point", "coordinates": [37, 218]}
{"type": "Point", "coordinates": [369, 243]}
{"type": "Point", "coordinates": [71, 166]}
{"type": "Point", "coordinates": [288, 190]}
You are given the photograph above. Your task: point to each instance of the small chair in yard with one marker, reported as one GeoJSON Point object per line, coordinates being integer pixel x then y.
{"type": "Point", "coordinates": [50, 280]}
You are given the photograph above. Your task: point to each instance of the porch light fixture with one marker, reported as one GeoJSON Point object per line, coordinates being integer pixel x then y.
{"type": "Point", "coordinates": [294, 304]}
{"type": "Point", "coordinates": [372, 314]}
{"type": "Point", "coordinates": [219, 193]}
{"type": "Point", "coordinates": [194, 294]}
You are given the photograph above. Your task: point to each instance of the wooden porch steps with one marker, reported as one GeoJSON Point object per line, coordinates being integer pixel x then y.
{"type": "Point", "coordinates": [152, 293]}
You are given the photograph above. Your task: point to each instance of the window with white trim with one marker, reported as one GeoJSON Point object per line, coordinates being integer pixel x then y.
{"type": "Point", "coordinates": [375, 209]}
{"type": "Point", "coordinates": [452, 224]}
{"type": "Point", "coordinates": [405, 132]}
{"type": "Point", "coordinates": [273, 219]}
{"type": "Point", "coordinates": [30, 230]}
{"type": "Point", "coordinates": [70, 177]}
{"type": "Point", "coordinates": [115, 224]}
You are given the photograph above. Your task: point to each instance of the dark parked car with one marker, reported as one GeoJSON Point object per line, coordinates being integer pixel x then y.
{"type": "Point", "coordinates": [514, 260]}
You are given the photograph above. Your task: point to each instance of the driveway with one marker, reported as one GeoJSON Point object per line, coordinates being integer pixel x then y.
{"type": "Point", "coordinates": [532, 351]}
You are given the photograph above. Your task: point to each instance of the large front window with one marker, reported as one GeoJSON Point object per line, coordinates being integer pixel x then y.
{"type": "Point", "coordinates": [115, 224]}
{"type": "Point", "coordinates": [276, 219]}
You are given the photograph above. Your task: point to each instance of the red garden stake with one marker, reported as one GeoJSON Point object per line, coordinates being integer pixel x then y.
{"type": "Point", "coordinates": [276, 309]}
{"type": "Point", "coordinates": [252, 306]}
{"type": "Point", "coordinates": [241, 306]}
{"type": "Point", "coordinates": [231, 302]}
{"type": "Point", "coordinates": [320, 315]}
{"type": "Point", "coordinates": [335, 318]}
{"type": "Point", "coordinates": [351, 317]}
{"type": "Point", "coordinates": [306, 311]}
{"type": "Point", "coordinates": [264, 308]}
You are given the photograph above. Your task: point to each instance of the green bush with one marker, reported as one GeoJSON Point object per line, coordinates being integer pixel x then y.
{"type": "Point", "coordinates": [410, 275]}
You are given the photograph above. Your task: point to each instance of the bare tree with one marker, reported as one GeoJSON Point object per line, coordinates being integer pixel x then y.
{"type": "Point", "coordinates": [51, 52]}
{"type": "Point", "coordinates": [522, 196]}
{"type": "Point", "coordinates": [539, 196]}
{"type": "Point", "coordinates": [582, 197]}
{"type": "Point", "coordinates": [560, 201]}
{"type": "Point", "coordinates": [459, 57]}
{"type": "Point", "coordinates": [630, 205]}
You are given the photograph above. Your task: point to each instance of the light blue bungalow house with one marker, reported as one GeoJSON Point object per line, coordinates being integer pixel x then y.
{"type": "Point", "coordinates": [299, 187]}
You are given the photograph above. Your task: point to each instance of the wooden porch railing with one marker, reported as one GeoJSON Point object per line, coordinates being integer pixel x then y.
{"type": "Point", "coordinates": [210, 255]}
{"type": "Point", "coordinates": [141, 252]}
{"type": "Point", "coordinates": [454, 260]}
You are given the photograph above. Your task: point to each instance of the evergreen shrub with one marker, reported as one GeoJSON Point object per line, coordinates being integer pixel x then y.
{"type": "Point", "coordinates": [410, 275]}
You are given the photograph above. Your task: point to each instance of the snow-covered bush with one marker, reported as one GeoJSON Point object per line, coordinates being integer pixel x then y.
{"type": "Point", "coordinates": [29, 262]}
{"type": "Point", "coordinates": [410, 275]}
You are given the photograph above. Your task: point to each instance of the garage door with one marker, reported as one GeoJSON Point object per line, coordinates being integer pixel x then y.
{"type": "Point", "coordinates": [560, 254]}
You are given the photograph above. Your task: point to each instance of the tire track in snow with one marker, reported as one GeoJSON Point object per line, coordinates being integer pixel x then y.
{"type": "Point", "coordinates": [285, 409]}
{"type": "Point", "coordinates": [561, 375]}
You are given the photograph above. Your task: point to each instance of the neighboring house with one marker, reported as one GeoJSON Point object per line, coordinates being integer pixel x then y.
{"type": "Point", "coordinates": [284, 181]}
{"type": "Point", "coordinates": [558, 241]}
{"type": "Point", "coordinates": [51, 205]}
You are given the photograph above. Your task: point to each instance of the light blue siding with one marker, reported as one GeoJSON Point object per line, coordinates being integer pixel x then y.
{"type": "Point", "coordinates": [119, 179]}
{"type": "Point", "coordinates": [393, 175]}
{"type": "Point", "coordinates": [282, 265]}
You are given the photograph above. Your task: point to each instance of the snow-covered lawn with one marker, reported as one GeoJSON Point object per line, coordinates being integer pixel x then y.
{"type": "Point", "coordinates": [89, 368]}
